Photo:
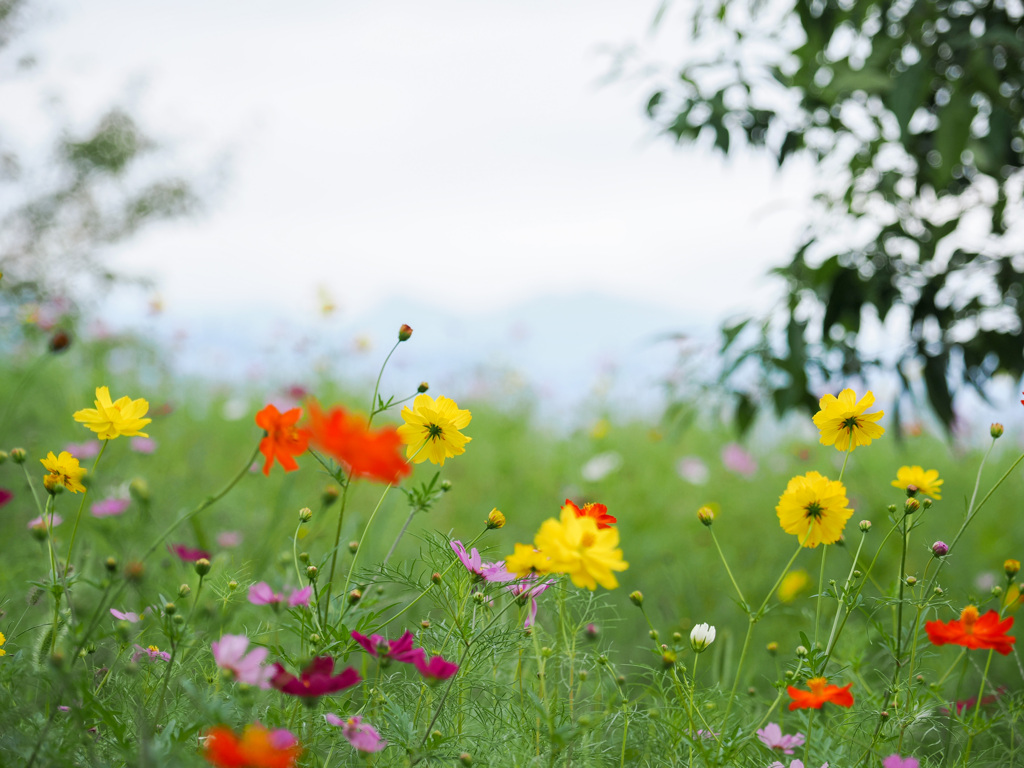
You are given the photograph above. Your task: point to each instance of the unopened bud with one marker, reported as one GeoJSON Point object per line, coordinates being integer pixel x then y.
{"type": "Point", "coordinates": [892, 509]}
{"type": "Point", "coordinates": [314, 639]}
{"type": "Point", "coordinates": [465, 758]}
{"type": "Point", "coordinates": [884, 715]}
{"type": "Point", "coordinates": [937, 591]}
{"type": "Point", "coordinates": [940, 549]}
{"type": "Point", "coordinates": [801, 652]}
{"type": "Point", "coordinates": [305, 515]}
{"type": "Point", "coordinates": [170, 609]}
{"type": "Point", "coordinates": [232, 585]}
{"type": "Point", "coordinates": [1011, 568]}
{"type": "Point", "coordinates": [404, 333]}
{"type": "Point", "coordinates": [996, 430]}
{"type": "Point", "coordinates": [857, 574]}
{"type": "Point", "coordinates": [865, 526]}
{"type": "Point", "coordinates": [353, 546]}
{"type": "Point", "coordinates": [772, 648]}
{"type": "Point", "coordinates": [18, 455]}
{"type": "Point", "coordinates": [425, 623]}
{"type": "Point", "coordinates": [312, 572]}
{"type": "Point", "coordinates": [677, 637]}
{"type": "Point", "coordinates": [653, 634]}
{"type": "Point", "coordinates": [997, 591]}
{"type": "Point", "coordinates": [706, 515]}
{"type": "Point", "coordinates": [184, 591]}
{"type": "Point", "coordinates": [912, 491]}
{"type": "Point", "coordinates": [110, 564]}
{"type": "Point", "coordinates": [304, 558]}
{"type": "Point", "coordinates": [202, 566]}
{"type": "Point", "coordinates": [637, 598]}
{"type": "Point", "coordinates": [446, 485]}
{"type": "Point", "coordinates": [329, 495]}
{"type": "Point", "coordinates": [910, 506]}
{"type": "Point", "coordinates": [926, 504]}
{"type": "Point", "coordinates": [591, 631]}
{"type": "Point", "coordinates": [423, 387]}
{"type": "Point", "coordinates": [435, 577]}
{"type": "Point", "coordinates": [59, 341]}
{"type": "Point", "coordinates": [495, 519]}
{"type": "Point", "coordinates": [3, 456]}
{"type": "Point", "coordinates": [355, 596]}
{"type": "Point", "coordinates": [911, 581]}
{"type": "Point", "coordinates": [668, 658]}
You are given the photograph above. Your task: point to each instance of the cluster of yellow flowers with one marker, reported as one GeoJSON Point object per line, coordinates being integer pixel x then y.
{"type": "Point", "coordinates": [577, 544]}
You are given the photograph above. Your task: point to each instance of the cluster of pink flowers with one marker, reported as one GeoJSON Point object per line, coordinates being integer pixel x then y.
{"type": "Point", "coordinates": [262, 594]}
{"type": "Point", "coordinates": [434, 670]}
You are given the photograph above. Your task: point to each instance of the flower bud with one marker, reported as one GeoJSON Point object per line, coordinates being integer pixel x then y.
{"type": "Point", "coordinates": [653, 634]}
{"type": "Point", "coordinates": [465, 758]}
{"type": "Point", "coordinates": [404, 333]}
{"type": "Point", "coordinates": [937, 591]}
{"type": "Point", "coordinates": [701, 636]}
{"type": "Point", "coordinates": [706, 515]}
{"type": "Point", "coordinates": [591, 631]}
{"type": "Point", "coordinates": [59, 341]}
{"type": "Point", "coordinates": [355, 596]}
{"type": "Point", "coordinates": [329, 495]}
{"type": "Point", "coordinates": [446, 485]}
{"type": "Point", "coordinates": [926, 504]}
{"type": "Point", "coordinates": [865, 526]}
{"type": "Point", "coordinates": [435, 577]}
{"type": "Point", "coordinates": [3, 456]}
{"type": "Point", "coordinates": [423, 387]}
{"type": "Point", "coordinates": [353, 546]}
{"type": "Point", "coordinates": [110, 564]}
{"type": "Point", "coordinates": [425, 623]}
{"type": "Point", "coordinates": [857, 574]}
{"type": "Point", "coordinates": [305, 515]}
{"type": "Point", "coordinates": [911, 506]}
{"type": "Point", "coordinates": [997, 591]}
{"type": "Point", "coordinates": [801, 652]}
{"type": "Point", "coordinates": [232, 585]}
{"type": "Point", "coordinates": [668, 658]}
{"type": "Point", "coordinates": [18, 455]}
{"type": "Point", "coordinates": [304, 558]}
{"type": "Point", "coordinates": [1011, 567]}
{"type": "Point", "coordinates": [996, 430]}
{"type": "Point", "coordinates": [911, 491]}
{"type": "Point", "coordinates": [314, 639]}
{"type": "Point", "coordinates": [134, 571]}
{"type": "Point", "coordinates": [202, 566]}
{"type": "Point", "coordinates": [911, 581]}
{"type": "Point", "coordinates": [940, 549]}
{"type": "Point", "coordinates": [184, 591]}
{"type": "Point", "coordinates": [637, 598]}
{"type": "Point", "coordinates": [772, 648]}
{"type": "Point", "coordinates": [170, 609]}
{"type": "Point", "coordinates": [892, 509]}
{"type": "Point", "coordinates": [495, 519]}
{"type": "Point", "coordinates": [677, 637]}
{"type": "Point", "coordinates": [311, 573]}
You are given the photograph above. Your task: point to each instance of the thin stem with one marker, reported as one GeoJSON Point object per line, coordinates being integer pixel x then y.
{"type": "Point", "coordinates": [821, 588]}
{"type": "Point", "coordinates": [727, 569]}
{"type": "Point", "coordinates": [977, 708]}
{"type": "Point", "coordinates": [839, 600]}
{"type": "Point", "coordinates": [362, 538]}
{"type": "Point", "coordinates": [376, 387]}
{"type": "Point", "coordinates": [398, 538]}
{"type": "Point", "coordinates": [689, 708]}
{"type": "Point", "coordinates": [81, 506]}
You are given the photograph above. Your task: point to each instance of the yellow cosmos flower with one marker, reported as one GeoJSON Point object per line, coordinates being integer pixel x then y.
{"type": "Point", "coordinates": [431, 429]}
{"type": "Point", "coordinates": [113, 419]}
{"type": "Point", "coordinates": [2, 641]}
{"type": "Point", "coordinates": [579, 548]}
{"type": "Point", "coordinates": [793, 583]}
{"type": "Point", "coordinates": [926, 482]}
{"type": "Point", "coordinates": [814, 509]}
{"type": "Point", "coordinates": [526, 561]}
{"type": "Point", "coordinates": [842, 420]}
{"type": "Point", "coordinates": [64, 470]}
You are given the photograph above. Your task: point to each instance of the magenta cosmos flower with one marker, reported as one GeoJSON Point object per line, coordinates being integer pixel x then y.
{"type": "Point", "coordinates": [772, 737]}
{"type": "Point", "coordinates": [230, 653]}
{"type": "Point", "coordinates": [360, 735]}
{"type": "Point", "coordinates": [475, 565]}
{"type": "Point", "coordinates": [393, 650]}
{"type": "Point", "coordinates": [5, 496]}
{"type": "Point", "coordinates": [794, 764]}
{"type": "Point", "coordinates": [188, 554]}
{"type": "Point", "coordinates": [317, 679]}
{"type": "Point", "coordinates": [527, 589]}
{"type": "Point", "coordinates": [152, 652]}
{"type": "Point", "coordinates": [435, 670]}
{"type": "Point", "coordinates": [895, 761]}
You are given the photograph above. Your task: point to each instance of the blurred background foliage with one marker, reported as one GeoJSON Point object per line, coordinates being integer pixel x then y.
{"type": "Point", "coordinates": [59, 212]}
{"type": "Point", "coordinates": [911, 261]}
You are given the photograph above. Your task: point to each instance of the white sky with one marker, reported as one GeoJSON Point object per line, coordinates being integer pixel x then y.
{"type": "Point", "coordinates": [468, 154]}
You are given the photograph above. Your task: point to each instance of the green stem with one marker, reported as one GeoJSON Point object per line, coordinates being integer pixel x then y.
{"type": "Point", "coordinates": [689, 707]}
{"type": "Point", "coordinates": [821, 589]}
{"type": "Point", "coordinates": [362, 538]}
{"type": "Point", "coordinates": [832, 638]}
{"type": "Point", "coordinates": [376, 387]}
{"type": "Point", "coordinates": [727, 569]}
{"type": "Point", "coordinates": [977, 708]}
{"type": "Point", "coordinates": [81, 506]}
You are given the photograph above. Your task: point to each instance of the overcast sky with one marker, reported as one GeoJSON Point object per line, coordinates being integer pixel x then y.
{"type": "Point", "coordinates": [468, 154]}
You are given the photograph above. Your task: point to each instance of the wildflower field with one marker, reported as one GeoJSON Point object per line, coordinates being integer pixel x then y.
{"type": "Point", "coordinates": [315, 576]}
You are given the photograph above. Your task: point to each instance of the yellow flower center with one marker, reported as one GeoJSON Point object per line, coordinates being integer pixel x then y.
{"type": "Point", "coordinates": [968, 616]}
{"type": "Point", "coordinates": [434, 432]}
{"type": "Point", "coordinates": [850, 423]}
{"type": "Point", "coordinates": [154, 649]}
{"type": "Point", "coordinates": [588, 538]}
{"type": "Point", "coordinates": [813, 510]}
{"type": "Point", "coordinates": [817, 685]}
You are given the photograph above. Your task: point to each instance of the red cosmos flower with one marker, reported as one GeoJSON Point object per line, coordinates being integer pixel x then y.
{"type": "Point", "coordinates": [258, 748]}
{"type": "Point", "coordinates": [5, 496]}
{"type": "Point", "coordinates": [395, 650]}
{"type": "Point", "coordinates": [317, 679]}
{"type": "Point", "coordinates": [820, 693]}
{"type": "Point", "coordinates": [986, 632]}
{"type": "Point", "coordinates": [597, 511]}
{"type": "Point", "coordinates": [365, 452]}
{"type": "Point", "coordinates": [187, 553]}
{"type": "Point", "coordinates": [435, 670]}
{"type": "Point", "coordinates": [283, 440]}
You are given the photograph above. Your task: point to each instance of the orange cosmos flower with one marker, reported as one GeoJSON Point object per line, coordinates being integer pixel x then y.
{"type": "Point", "coordinates": [986, 632]}
{"type": "Point", "coordinates": [820, 693]}
{"type": "Point", "coordinates": [363, 451]}
{"type": "Point", "coordinates": [599, 512]}
{"type": "Point", "coordinates": [283, 440]}
{"type": "Point", "coordinates": [258, 748]}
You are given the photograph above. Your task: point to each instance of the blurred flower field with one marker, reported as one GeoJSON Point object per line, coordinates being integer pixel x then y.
{"type": "Point", "coordinates": [313, 575]}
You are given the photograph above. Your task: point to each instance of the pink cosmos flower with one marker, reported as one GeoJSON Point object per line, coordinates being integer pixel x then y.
{"type": "Point", "coordinates": [187, 553]}
{"type": "Point", "coordinates": [300, 597]}
{"type": "Point", "coordinates": [5, 496]}
{"type": "Point", "coordinates": [130, 616]}
{"type": "Point", "coordinates": [895, 761]}
{"type": "Point", "coordinates": [229, 653]}
{"type": "Point", "coordinates": [360, 735]}
{"type": "Point", "coordinates": [152, 652]}
{"type": "Point", "coordinates": [737, 460]}
{"type": "Point", "coordinates": [82, 451]}
{"type": "Point", "coordinates": [772, 737]}
{"type": "Point", "coordinates": [260, 593]}
{"type": "Point", "coordinates": [109, 507]}
{"type": "Point", "coordinates": [394, 650]}
{"type": "Point", "coordinates": [527, 589]}
{"type": "Point", "coordinates": [794, 764]}
{"type": "Point", "coordinates": [436, 670]}
{"type": "Point", "coordinates": [481, 570]}
{"type": "Point", "coordinates": [229, 539]}
{"type": "Point", "coordinates": [317, 679]}
{"type": "Point", "coordinates": [142, 444]}
{"type": "Point", "coordinates": [39, 523]}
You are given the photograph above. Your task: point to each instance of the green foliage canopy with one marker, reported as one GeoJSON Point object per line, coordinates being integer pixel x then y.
{"type": "Point", "coordinates": [912, 112]}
